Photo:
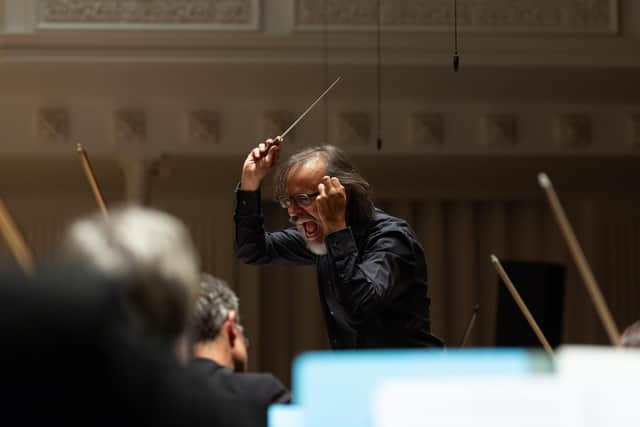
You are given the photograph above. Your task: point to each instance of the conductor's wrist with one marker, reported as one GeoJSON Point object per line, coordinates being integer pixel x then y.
{"type": "Point", "coordinates": [249, 184]}
{"type": "Point", "coordinates": [332, 227]}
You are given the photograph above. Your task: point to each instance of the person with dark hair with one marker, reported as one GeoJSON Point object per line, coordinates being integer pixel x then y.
{"type": "Point", "coordinates": [221, 348]}
{"type": "Point", "coordinates": [216, 322]}
{"type": "Point", "coordinates": [372, 274]}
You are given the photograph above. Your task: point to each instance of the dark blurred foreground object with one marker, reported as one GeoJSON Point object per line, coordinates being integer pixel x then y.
{"type": "Point", "coordinates": [541, 286]}
{"type": "Point", "coordinates": [73, 354]}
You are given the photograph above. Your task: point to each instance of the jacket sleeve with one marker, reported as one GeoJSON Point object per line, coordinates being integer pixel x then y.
{"type": "Point", "coordinates": [366, 282]}
{"type": "Point", "coordinates": [255, 246]}
{"type": "Point", "coordinates": [277, 392]}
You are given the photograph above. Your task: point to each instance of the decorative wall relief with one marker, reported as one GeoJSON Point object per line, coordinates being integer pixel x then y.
{"type": "Point", "coordinates": [150, 14]}
{"type": "Point", "coordinates": [130, 126]}
{"type": "Point", "coordinates": [572, 130]}
{"type": "Point", "coordinates": [53, 126]}
{"type": "Point", "coordinates": [354, 128]}
{"type": "Point", "coordinates": [633, 130]}
{"type": "Point", "coordinates": [499, 130]}
{"type": "Point", "coordinates": [204, 127]}
{"type": "Point", "coordinates": [426, 129]}
{"type": "Point", "coordinates": [534, 16]}
{"type": "Point", "coordinates": [276, 122]}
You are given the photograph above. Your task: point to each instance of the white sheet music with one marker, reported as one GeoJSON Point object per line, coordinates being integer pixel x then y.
{"type": "Point", "coordinates": [607, 381]}
{"type": "Point", "coordinates": [591, 387]}
{"type": "Point", "coordinates": [534, 402]}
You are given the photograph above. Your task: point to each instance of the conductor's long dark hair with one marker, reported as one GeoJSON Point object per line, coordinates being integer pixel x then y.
{"type": "Point", "coordinates": [359, 203]}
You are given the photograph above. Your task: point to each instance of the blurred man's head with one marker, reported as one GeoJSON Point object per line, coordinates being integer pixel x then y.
{"type": "Point", "coordinates": [217, 330]}
{"type": "Point", "coordinates": [631, 335]}
{"type": "Point", "coordinates": [153, 254]}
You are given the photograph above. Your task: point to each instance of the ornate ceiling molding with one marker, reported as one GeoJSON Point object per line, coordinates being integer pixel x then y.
{"type": "Point", "coordinates": [275, 122]}
{"type": "Point", "coordinates": [149, 14]}
{"type": "Point", "coordinates": [204, 127]}
{"type": "Point", "coordinates": [130, 126]}
{"type": "Point", "coordinates": [529, 16]}
{"type": "Point", "coordinates": [409, 27]}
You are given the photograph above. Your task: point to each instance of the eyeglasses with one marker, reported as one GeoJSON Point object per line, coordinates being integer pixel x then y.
{"type": "Point", "coordinates": [301, 199]}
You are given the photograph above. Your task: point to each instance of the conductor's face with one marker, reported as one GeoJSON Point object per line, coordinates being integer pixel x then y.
{"type": "Point", "coordinates": [302, 190]}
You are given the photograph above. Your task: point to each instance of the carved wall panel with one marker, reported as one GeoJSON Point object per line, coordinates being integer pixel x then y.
{"type": "Point", "coordinates": [572, 130]}
{"type": "Point", "coordinates": [53, 126]}
{"type": "Point", "coordinates": [426, 129]}
{"type": "Point", "coordinates": [150, 14]}
{"type": "Point", "coordinates": [558, 16]}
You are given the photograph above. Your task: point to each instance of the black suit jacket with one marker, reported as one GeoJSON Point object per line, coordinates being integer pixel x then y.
{"type": "Point", "coordinates": [372, 282]}
{"type": "Point", "coordinates": [256, 391]}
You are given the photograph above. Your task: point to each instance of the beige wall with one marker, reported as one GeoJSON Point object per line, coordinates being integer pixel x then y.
{"type": "Point", "coordinates": [459, 160]}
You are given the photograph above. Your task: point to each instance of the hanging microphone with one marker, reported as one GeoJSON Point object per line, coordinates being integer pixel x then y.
{"type": "Point", "coordinates": [456, 58]}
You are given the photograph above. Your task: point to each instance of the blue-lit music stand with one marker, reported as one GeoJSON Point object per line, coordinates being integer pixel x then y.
{"type": "Point", "coordinates": [337, 388]}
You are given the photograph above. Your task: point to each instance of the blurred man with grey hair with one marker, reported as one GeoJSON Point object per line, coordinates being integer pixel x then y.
{"type": "Point", "coordinates": [221, 349]}
{"type": "Point", "coordinates": [154, 255]}
{"type": "Point", "coordinates": [134, 365]}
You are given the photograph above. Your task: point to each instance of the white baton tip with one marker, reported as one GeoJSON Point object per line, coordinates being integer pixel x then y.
{"type": "Point", "coordinates": [544, 180]}
{"type": "Point", "coordinates": [493, 258]}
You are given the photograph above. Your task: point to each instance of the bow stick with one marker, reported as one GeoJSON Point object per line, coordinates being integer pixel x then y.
{"type": "Point", "coordinates": [88, 170]}
{"type": "Point", "coordinates": [14, 239]}
{"type": "Point", "coordinates": [523, 307]}
{"type": "Point", "coordinates": [581, 261]}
